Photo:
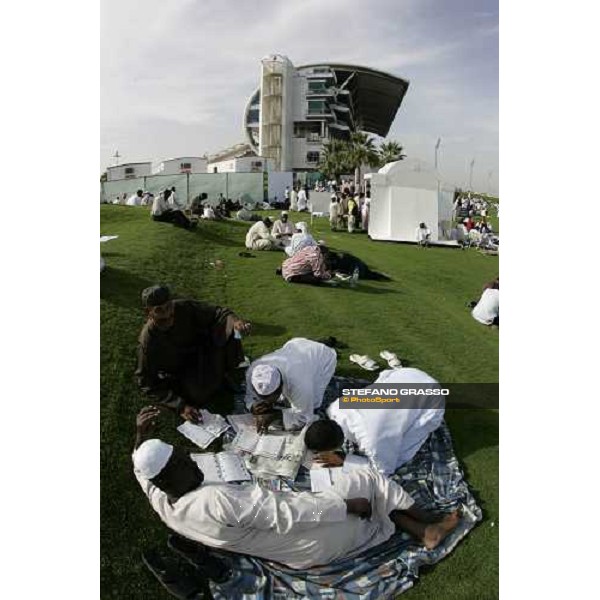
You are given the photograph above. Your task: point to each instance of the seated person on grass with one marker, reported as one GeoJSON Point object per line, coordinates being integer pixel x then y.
{"type": "Point", "coordinates": [245, 214]}
{"type": "Point", "coordinates": [288, 384]}
{"type": "Point", "coordinates": [162, 211]}
{"type": "Point", "coordinates": [422, 235]}
{"type": "Point", "coordinates": [306, 266]}
{"type": "Point", "coordinates": [259, 236]}
{"type": "Point", "coordinates": [298, 529]}
{"type": "Point", "coordinates": [300, 239]}
{"type": "Point", "coordinates": [487, 310]}
{"type": "Point", "coordinates": [346, 264]}
{"type": "Point", "coordinates": [384, 437]}
{"type": "Point", "coordinates": [283, 228]}
{"type": "Point", "coordinates": [187, 350]}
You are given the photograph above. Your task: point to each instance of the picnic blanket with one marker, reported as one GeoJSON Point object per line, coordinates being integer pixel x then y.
{"type": "Point", "coordinates": [433, 478]}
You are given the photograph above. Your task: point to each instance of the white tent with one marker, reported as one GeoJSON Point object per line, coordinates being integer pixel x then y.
{"type": "Point", "coordinates": [403, 195]}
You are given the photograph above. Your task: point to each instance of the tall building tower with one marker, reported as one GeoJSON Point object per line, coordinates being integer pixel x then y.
{"type": "Point", "coordinates": [275, 110]}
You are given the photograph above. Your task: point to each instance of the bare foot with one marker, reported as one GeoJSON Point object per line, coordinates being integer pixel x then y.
{"type": "Point", "coordinates": [436, 532]}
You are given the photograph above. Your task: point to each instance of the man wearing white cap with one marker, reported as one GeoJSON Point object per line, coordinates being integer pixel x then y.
{"type": "Point", "coordinates": [296, 376]}
{"type": "Point", "coordinates": [283, 228]}
{"type": "Point", "coordinates": [298, 529]}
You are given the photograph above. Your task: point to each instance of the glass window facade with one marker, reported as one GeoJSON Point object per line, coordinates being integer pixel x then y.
{"type": "Point", "coordinates": [316, 107]}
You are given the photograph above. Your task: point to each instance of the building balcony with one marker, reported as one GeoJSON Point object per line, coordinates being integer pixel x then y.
{"type": "Point", "coordinates": [322, 92]}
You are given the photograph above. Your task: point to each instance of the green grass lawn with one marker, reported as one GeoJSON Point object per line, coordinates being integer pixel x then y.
{"type": "Point", "coordinates": [420, 315]}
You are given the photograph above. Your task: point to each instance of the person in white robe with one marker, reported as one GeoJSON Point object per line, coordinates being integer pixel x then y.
{"type": "Point", "coordinates": [298, 529]}
{"type": "Point", "coordinates": [259, 236]}
{"type": "Point", "coordinates": [293, 199]}
{"type": "Point", "coordinates": [147, 199]}
{"type": "Point", "coordinates": [334, 212]}
{"type": "Point", "coordinates": [386, 438]}
{"type": "Point", "coordinates": [208, 213]}
{"type": "Point", "coordinates": [487, 310]}
{"type": "Point", "coordinates": [422, 235]}
{"type": "Point", "coordinates": [300, 239]}
{"type": "Point", "coordinates": [135, 199]}
{"type": "Point", "coordinates": [302, 200]}
{"type": "Point", "coordinates": [289, 384]}
{"type": "Point", "coordinates": [283, 228]}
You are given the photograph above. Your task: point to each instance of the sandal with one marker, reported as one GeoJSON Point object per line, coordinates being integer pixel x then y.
{"type": "Point", "coordinates": [392, 359]}
{"type": "Point", "coordinates": [364, 362]}
{"type": "Point", "coordinates": [179, 583]}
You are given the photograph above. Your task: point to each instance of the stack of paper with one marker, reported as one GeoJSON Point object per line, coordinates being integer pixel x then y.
{"type": "Point", "coordinates": [322, 478]}
{"type": "Point", "coordinates": [205, 433]}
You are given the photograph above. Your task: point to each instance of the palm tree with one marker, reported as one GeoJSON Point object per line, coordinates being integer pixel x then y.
{"type": "Point", "coordinates": [362, 152]}
{"type": "Point", "coordinates": [390, 152]}
{"type": "Point", "coordinates": [335, 159]}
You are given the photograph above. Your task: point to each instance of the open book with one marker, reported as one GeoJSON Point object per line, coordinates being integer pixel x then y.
{"type": "Point", "coordinates": [287, 462]}
{"type": "Point", "coordinates": [221, 468]}
{"type": "Point", "coordinates": [243, 421]}
{"type": "Point", "coordinates": [205, 433]}
{"type": "Point", "coordinates": [247, 440]}
{"type": "Point", "coordinates": [322, 478]}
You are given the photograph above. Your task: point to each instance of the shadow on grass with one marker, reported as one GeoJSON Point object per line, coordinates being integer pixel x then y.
{"type": "Point", "coordinates": [259, 329]}
{"type": "Point", "coordinates": [122, 287]}
{"type": "Point", "coordinates": [363, 289]}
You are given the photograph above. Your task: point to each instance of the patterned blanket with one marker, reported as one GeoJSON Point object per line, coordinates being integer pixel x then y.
{"type": "Point", "coordinates": [433, 478]}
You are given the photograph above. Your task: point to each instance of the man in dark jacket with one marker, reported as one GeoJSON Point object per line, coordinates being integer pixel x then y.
{"type": "Point", "coordinates": [186, 351]}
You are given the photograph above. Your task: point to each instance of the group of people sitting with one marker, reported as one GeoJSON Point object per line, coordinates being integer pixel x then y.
{"type": "Point", "coordinates": [309, 261]}
{"type": "Point", "coordinates": [187, 350]}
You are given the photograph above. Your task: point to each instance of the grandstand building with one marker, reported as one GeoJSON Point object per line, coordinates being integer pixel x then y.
{"type": "Point", "coordinates": [296, 110]}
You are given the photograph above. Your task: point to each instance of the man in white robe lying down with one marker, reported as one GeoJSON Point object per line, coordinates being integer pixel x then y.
{"type": "Point", "coordinates": [298, 529]}
{"type": "Point", "coordinates": [386, 437]}
{"type": "Point", "coordinates": [289, 384]}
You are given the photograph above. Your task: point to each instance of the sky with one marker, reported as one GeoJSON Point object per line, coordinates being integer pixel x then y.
{"type": "Point", "coordinates": [175, 76]}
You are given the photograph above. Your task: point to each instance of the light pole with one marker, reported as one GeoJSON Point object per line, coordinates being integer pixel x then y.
{"type": "Point", "coordinates": [471, 176]}
{"type": "Point", "coordinates": [117, 156]}
{"type": "Point", "coordinates": [437, 147]}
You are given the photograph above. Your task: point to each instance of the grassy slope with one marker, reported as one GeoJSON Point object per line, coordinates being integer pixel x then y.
{"type": "Point", "coordinates": [420, 315]}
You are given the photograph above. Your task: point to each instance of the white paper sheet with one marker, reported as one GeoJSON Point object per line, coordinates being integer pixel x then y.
{"type": "Point", "coordinates": [209, 467]}
{"type": "Point", "coordinates": [269, 445]}
{"type": "Point", "coordinates": [243, 421]}
{"type": "Point", "coordinates": [246, 440]}
{"type": "Point", "coordinates": [197, 434]}
{"type": "Point", "coordinates": [320, 479]}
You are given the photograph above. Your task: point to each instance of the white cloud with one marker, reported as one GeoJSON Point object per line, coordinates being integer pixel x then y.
{"type": "Point", "coordinates": [189, 65]}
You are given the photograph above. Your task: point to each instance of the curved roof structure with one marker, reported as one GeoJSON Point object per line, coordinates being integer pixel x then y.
{"type": "Point", "coordinates": [376, 95]}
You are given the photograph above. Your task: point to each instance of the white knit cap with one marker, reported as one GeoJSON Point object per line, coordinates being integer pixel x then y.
{"type": "Point", "coordinates": [302, 226]}
{"type": "Point", "coordinates": [151, 457]}
{"type": "Point", "coordinates": [265, 379]}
